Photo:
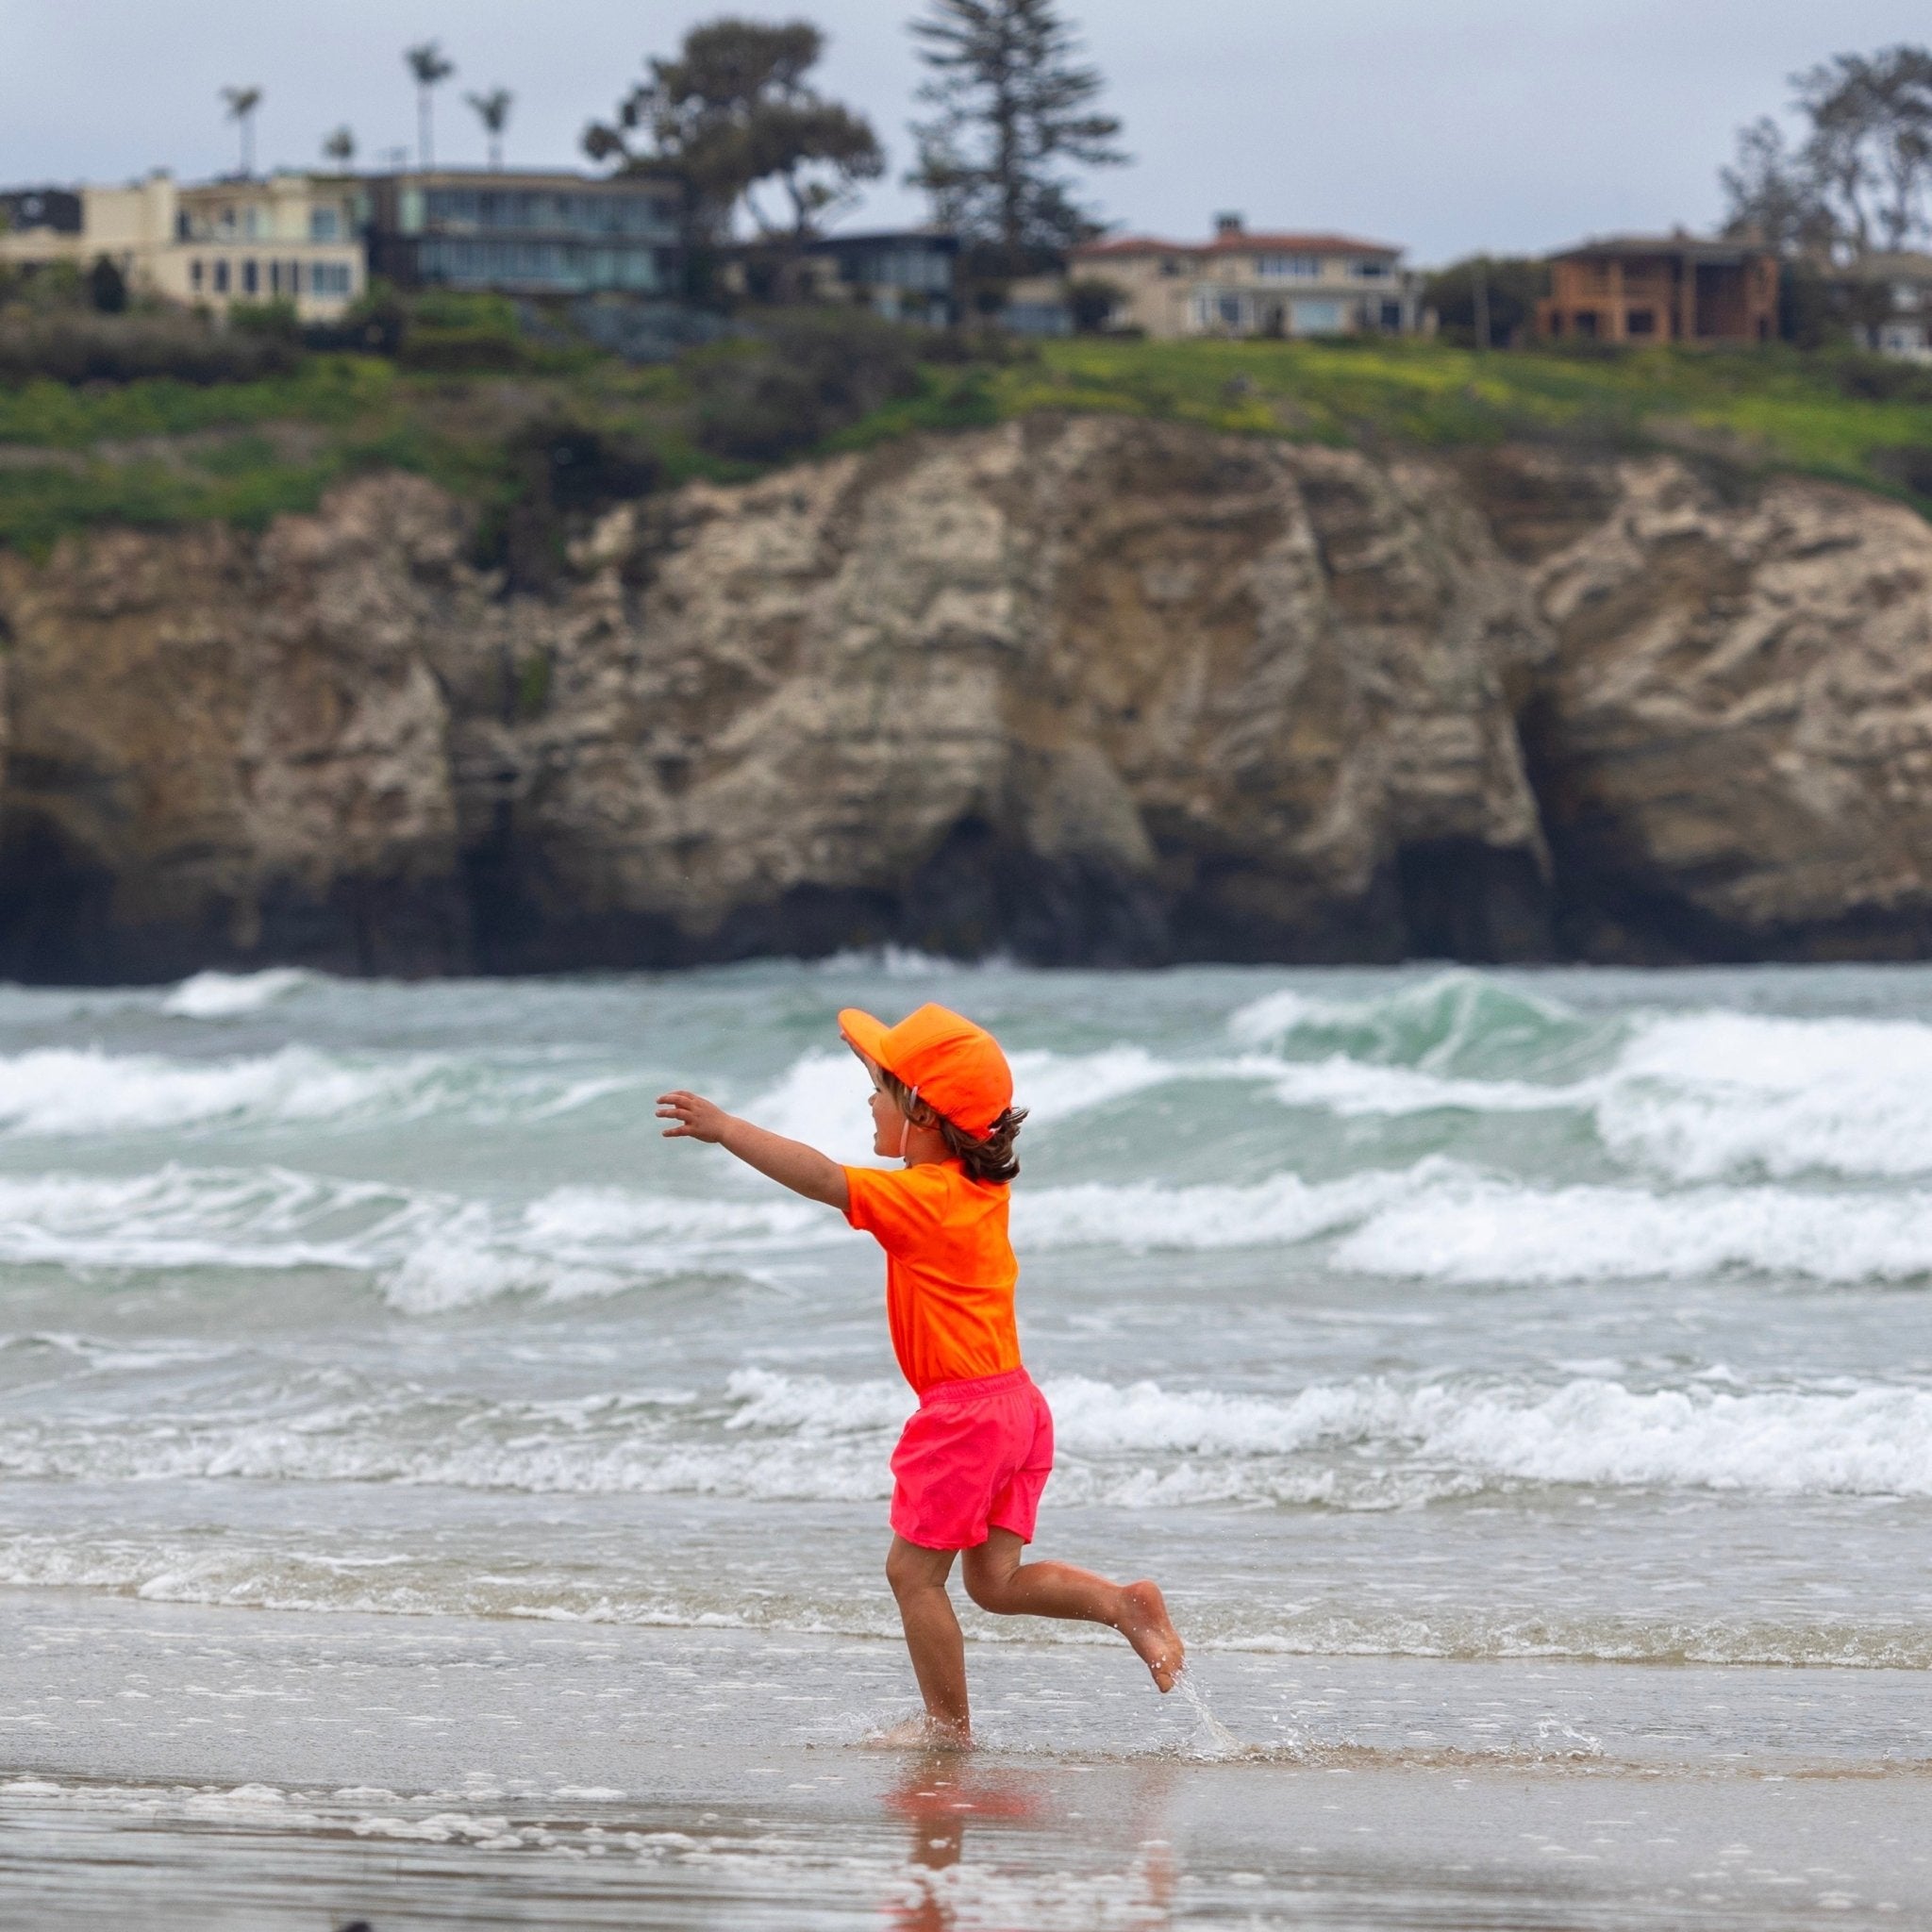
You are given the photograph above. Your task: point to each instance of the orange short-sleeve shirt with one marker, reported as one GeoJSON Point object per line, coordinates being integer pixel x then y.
{"type": "Point", "coordinates": [950, 1267]}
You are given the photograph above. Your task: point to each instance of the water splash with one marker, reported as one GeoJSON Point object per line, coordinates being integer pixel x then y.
{"type": "Point", "coordinates": [1211, 1738]}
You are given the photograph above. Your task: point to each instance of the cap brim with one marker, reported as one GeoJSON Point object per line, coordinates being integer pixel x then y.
{"type": "Point", "coordinates": [863, 1034]}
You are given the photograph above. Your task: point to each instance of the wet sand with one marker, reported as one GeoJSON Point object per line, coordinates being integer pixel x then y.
{"type": "Point", "coordinates": [176, 1766]}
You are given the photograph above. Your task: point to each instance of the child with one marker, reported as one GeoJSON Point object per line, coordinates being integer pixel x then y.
{"type": "Point", "coordinates": [971, 1464]}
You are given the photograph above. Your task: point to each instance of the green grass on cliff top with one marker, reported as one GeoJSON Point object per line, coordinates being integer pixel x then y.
{"type": "Point", "coordinates": [163, 452]}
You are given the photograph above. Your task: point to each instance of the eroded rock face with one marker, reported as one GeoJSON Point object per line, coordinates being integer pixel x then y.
{"type": "Point", "coordinates": [1086, 690]}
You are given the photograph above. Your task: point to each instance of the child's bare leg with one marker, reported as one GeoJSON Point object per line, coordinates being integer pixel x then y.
{"type": "Point", "coordinates": [996, 1580]}
{"type": "Point", "coordinates": [917, 1577]}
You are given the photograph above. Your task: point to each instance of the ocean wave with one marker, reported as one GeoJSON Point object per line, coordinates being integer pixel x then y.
{"type": "Point", "coordinates": [246, 1571]}
{"type": "Point", "coordinates": [1689, 1096]}
{"type": "Point", "coordinates": [71, 1092]}
{"type": "Point", "coordinates": [1699, 1096]}
{"type": "Point", "coordinates": [427, 1252]}
{"type": "Point", "coordinates": [822, 1097]}
{"type": "Point", "coordinates": [1456, 1024]}
{"type": "Point", "coordinates": [1693, 1096]}
{"type": "Point", "coordinates": [1283, 1211]}
{"type": "Point", "coordinates": [1370, 1443]}
{"type": "Point", "coordinates": [1475, 1230]}
{"type": "Point", "coordinates": [228, 995]}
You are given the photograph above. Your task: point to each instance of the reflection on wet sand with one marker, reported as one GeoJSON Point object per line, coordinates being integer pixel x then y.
{"type": "Point", "coordinates": [942, 1795]}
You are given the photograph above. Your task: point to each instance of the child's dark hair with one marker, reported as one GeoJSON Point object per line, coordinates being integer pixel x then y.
{"type": "Point", "coordinates": [990, 1158]}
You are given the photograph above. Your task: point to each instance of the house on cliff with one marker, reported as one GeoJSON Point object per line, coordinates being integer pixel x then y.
{"type": "Point", "coordinates": [1662, 288]}
{"type": "Point", "coordinates": [901, 275]}
{"type": "Point", "coordinates": [1888, 297]}
{"type": "Point", "coordinates": [1253, 283]}
{"type": "Point", "coordinates": [529, 232]}
{"type": "Point", "coordinates": [283, 238]}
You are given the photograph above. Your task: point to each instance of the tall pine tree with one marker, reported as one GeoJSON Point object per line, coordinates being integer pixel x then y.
{"type": "Point", "coordinates": [1013, 107]}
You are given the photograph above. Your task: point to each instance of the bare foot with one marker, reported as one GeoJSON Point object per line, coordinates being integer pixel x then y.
{"type": "Point", "coordinates": [1146, 1624]}
{"type": "Point", "coordinates": [920, 1734]}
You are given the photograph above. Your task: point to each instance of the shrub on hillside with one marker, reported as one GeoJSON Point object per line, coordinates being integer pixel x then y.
{"type": "Point", "coordinates": [80, 346]}
{"type": "Point", "coordinates": [460, 334]}
{"type": "Point", "coordinates": [805, 375]}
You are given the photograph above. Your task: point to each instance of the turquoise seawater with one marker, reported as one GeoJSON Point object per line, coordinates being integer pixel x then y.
{"type": "Point", "coordinates": [1568, 1315]}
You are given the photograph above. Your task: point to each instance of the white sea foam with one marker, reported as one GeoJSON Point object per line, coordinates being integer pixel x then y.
{"type": "Point", "coordinates": [64, 1091]}
{"type": "Point", "coordinates": [1469, 1229]}
{"type": "Point", "coordinates": [821, 1099]}
{"type": "Point", "coordinates": [68, 1092]}
{"type": "Point", "coordinates": [227, 995]}
{"type": "Point", "coordinates": [429, 1251]}
{"type": "Point", "coordinates": [1438, 1220]}
{"type": "Point", "coordinates": [1365, 1444]}
{"type": "Point", "coordinates": [180, 1217]}
{"type": "Point", "coordinates": [1703, 1095]}
{"type": "Point", "coordinates": [1694, 1096]}
{"type": "Point", "coordinates": [1279, 1213]}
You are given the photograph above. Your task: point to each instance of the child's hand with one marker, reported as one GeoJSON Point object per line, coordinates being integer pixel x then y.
{"type": "Point", "coordinates": [697, 1118]}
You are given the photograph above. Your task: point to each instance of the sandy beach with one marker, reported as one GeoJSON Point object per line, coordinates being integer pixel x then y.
{"type": "Point", "coordinates": [193, 1767]}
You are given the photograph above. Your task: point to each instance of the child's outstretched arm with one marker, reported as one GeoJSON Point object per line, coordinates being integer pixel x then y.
{"type": "Point", "coordinates": [790, 1163]}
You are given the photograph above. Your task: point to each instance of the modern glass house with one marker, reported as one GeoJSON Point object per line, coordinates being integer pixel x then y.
{"type": "Point", "coordinates": [524, 233]}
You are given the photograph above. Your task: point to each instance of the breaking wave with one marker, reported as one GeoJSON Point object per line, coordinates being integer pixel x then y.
{"type": "Point", "coordinates": [1439, 1221]}
{"type": "Point", "coordinates": [228, 995]}
{"type": "Point", "coordinates": [71, 1092]}
{"type": "Point", "coordinates": [1368, 1443]}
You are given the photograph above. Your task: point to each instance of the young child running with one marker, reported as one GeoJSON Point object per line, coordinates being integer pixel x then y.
{"type": "Point", "coordinates": [972, 1463]}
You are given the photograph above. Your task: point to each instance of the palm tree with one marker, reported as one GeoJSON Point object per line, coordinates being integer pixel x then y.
{"type": "Point", "coordinates": [427, 64]}
{"type": "Point", "coordinates": [340, 147]}
{"type": "Point", "coordinates": [242, 102]}
{"type": "Point", "coordinates": [492, 110]}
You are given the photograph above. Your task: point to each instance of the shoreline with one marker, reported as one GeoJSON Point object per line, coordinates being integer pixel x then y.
{"type": "Point", "coordinates": [225, 1769]}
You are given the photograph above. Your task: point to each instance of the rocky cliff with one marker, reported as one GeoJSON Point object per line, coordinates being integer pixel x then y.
{"type": "Point", "coordinates": [1086, 690]}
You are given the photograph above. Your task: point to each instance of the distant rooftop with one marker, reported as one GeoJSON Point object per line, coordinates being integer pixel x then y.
{"type": "Point", "coordinates": [1232, 238]}
{"type": "Point", "coordinates": [1680, 242]}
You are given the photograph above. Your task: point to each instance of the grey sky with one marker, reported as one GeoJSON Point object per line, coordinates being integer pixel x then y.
{"type": "Point", "coordinates": [1442, 125]}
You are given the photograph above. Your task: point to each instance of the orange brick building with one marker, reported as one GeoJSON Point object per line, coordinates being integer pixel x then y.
{"type": "Point", "coordinates": [1662, 288]}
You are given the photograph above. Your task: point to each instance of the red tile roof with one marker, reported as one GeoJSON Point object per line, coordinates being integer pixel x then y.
{"type": "Point", "coordinates": [1239, 242]}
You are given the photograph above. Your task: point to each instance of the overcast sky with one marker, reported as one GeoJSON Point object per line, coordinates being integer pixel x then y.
{"type": "Point", "coordinates": [1445, 126]}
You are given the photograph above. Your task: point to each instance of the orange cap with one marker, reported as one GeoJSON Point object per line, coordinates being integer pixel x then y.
{"type": "Point", "coordinates": [953, 1065]}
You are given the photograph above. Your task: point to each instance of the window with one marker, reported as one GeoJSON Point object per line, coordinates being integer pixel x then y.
{"type": "Point", "coordinates": [1228, 311]}
{"type": "Point", "coordinates": [251, 277]}
{"type": "Point", "coordinates": [1391, 317]}
{"type": "Point", "coordinates": [1169, 266]}
{"type": "Point", "coordinates": [1369, 270]}
{"type": "Point", "coordinates": [194, 274]}
{"type": "Point", "coordinates": [1317, 318]}
{"type": "Point", "coordinates": [325, 225]}
{"type": "Point", "coordinates": [328, 279]}
{"type": "Point", "coordinates": [1289, 268]}
{"type": "Point", "coordinates": [1640, 322]}
{"type": "Point", "coordinates": [222, 276]}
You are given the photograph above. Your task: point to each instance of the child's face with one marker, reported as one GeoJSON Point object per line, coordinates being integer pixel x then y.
{"type": "Point", "coordinates": [887, 1123]}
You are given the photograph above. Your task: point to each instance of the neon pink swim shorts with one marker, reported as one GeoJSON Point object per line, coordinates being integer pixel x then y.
{"type": "Point", "coordinates": [975, 1457]}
